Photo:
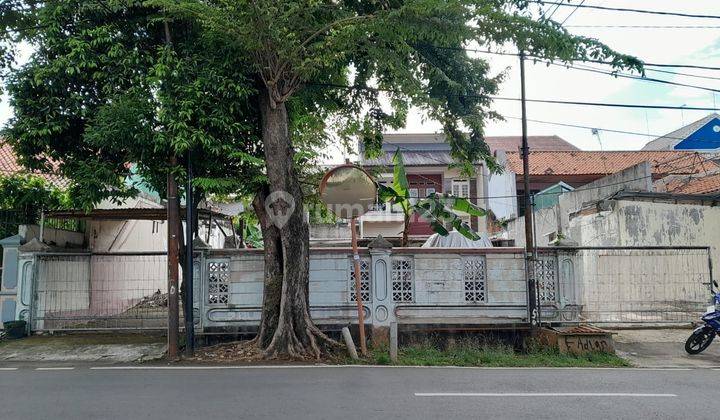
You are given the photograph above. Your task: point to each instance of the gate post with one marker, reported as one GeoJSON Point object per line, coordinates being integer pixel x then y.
{"type": "Point", "coordinates": [382, 307]}
{"type": "Point", "coordinates": [9, 290]}
{"type": "Point", "coordinates": [199, 282]}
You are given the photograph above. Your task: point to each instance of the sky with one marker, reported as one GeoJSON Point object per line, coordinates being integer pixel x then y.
{"type": "Point", "coordinates": [672, 46]}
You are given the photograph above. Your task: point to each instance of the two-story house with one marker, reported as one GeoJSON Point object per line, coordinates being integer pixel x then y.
{"type": "Point", "coordinates": [427, 159]}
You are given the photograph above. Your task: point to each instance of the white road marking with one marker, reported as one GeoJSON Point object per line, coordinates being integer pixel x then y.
{"type": "Point", "coordinates": [56, 368]}
{"type": "Point", "coordinates": [538, 394]}
{"type": "Point", "coordinates": [8, 368]}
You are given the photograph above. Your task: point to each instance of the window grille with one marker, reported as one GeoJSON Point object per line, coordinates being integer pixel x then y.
{"type": "Point", "coordinates": [364, 281]}
{"type": "Point", "coordinates": [474, 278]}
{"type": "Point", "coordinates": [545, 276]}
{"type": "Point", "coordinates": [218, 282]}
{"type": "Point", "coordinates": [402, 280]}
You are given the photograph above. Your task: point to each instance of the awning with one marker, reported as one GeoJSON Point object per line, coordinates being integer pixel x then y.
{"type": "Point", "coordinates": [159, 213]}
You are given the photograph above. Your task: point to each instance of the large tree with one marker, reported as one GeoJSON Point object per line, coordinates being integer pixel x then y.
{"type": "Point", "coordinates": [108, 93]}
{"type": "Point", "coordinates": [410, 49]}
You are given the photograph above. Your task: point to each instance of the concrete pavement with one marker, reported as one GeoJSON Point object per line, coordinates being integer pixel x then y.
{"type": "Point", "coordinates": [662, 348]}
{"type": "Point", "coordinates": [192, 392]}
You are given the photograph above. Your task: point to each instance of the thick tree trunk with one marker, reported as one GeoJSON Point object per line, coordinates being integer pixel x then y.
{"type": "Point", "coordinates": [286, 328]}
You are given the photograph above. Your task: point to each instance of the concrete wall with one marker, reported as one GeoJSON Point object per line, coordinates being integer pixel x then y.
{"type": "Point", "coordinates": [556, 219]}
{"type": "Point", "coordinates": [644, 223]}
{"type": "Point", "coordinates": [437, 288]}
{"type": "Point", "coordinates": [57, 237]}
{"type": "Point", "coordinates": [644, 286]}
{"type": "Point", "coordinates": [329, 231]}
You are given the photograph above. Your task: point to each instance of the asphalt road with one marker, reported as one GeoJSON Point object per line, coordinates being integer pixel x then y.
{"type": "Point", "coordinates": [157, 392]}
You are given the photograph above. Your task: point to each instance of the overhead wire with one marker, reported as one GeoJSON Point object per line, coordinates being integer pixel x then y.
{"type": "Point", "coordinates": [626, 9]}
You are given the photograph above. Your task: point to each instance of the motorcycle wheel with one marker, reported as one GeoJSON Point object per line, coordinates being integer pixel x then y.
{"type": "Point", "coordinates": [699, 340]}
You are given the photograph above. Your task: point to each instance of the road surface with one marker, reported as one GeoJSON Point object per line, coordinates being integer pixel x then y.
{"type": "Point", "coordinates": [202, 392]}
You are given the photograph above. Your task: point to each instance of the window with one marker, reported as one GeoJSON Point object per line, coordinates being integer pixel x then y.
{"type": "Point", "coordinates": [429, 191]}
{"type": "Point", "coordinates": [461, 188]}
{"type": "Point", "coordinates": [413, 195]}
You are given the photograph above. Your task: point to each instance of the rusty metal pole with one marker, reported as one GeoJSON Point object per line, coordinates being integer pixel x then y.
{"type": "Point", "coordinates": [358, 293]}
{"type": "Point", "coordinates": [533, 315]}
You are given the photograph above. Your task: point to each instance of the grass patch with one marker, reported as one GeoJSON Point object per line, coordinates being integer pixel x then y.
{"type": "Point", "coordinates": [490, 355]}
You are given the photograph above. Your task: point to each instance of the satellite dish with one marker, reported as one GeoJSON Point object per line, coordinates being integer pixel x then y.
{"type": "Point", "coordinates": [348, 191]}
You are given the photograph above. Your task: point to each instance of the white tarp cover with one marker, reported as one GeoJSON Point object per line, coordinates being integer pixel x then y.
{"type": "Point", "coordinates": [455, 239]}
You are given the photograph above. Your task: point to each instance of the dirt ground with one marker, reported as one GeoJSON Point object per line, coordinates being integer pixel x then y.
{"type": "Point", "coordinates": [655, 348]}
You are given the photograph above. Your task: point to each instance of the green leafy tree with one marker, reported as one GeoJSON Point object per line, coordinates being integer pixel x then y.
{"type": "Point", "coordinates": [412, 49]}
{"type": "Point", "coordinates": [438, 209]}
{"type": "Point", "coordinates": [23, 197]}
{"type": "Point", "coordinates": [106, 98]}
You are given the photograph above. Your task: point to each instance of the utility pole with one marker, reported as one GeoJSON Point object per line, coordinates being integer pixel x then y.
{"type": "Point", "coordinates": [173, 251]}
{"type": "Point", "coordinates": [173, 248]}
{"type": "Point", "coordinates": [189, 230]}
{"type": "Point", "coordinates": [533, 311]}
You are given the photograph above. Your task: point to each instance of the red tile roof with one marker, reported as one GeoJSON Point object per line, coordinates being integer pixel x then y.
{"type": "Point", "coordinates": [709, 184]}
{"type": "Point", "coordinates": [10, 166]}
{"type": "Point", "coordinates": [605, 163]}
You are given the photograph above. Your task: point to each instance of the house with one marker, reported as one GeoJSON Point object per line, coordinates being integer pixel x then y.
{"type": "Point", "coordinates": [701, 135]}
{"type": "Point", "coordinates": [129, 230]}
{"type": "Point", "coordinates": [578, 168]}
{"type": "Point", "coordinates": [642, 205]}
{"type": "Point", "coordinates": [427, 157]}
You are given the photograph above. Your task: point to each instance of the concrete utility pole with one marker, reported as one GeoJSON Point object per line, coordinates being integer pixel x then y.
{"type": "Point", "coordinates": [533, 314]}
{"type": "Point", "coordinates": [189, 229]}
{"type": "Point", "coordinates": [173, 249]}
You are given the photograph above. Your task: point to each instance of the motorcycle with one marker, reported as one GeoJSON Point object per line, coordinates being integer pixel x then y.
{"type": "Point", "coordinates": [702, 336]}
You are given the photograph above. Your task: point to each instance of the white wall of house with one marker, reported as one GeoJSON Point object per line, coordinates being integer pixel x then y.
{"type": "Point", "coordinates": [502, 191]}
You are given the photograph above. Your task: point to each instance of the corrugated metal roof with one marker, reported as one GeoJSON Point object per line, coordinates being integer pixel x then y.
{"type": "Point", "coordinates": [429, 149]}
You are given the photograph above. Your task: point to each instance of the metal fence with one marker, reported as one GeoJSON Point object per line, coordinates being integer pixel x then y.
{"type": "Point", "coordinates": [650, 285]}
{"type": "Point", "coordinates": [99, 291]}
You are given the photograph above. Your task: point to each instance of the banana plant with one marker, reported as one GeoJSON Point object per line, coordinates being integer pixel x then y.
{"type": "Point", "coordinates": [438, 209]}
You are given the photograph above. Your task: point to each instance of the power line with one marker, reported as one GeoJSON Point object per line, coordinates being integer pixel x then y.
{"type": "Point", "coordinates": [631, 76]}
{"type": "Point", "coordinates": [645, 26]}
{"type": "Point", "coordinates": [645, 64]}
{"type": "Point", "coordinates": [676, 73]}
{"type": "Point", "coordinates": [573, 12]}
{"type": "Point", "coordinates": [608, 130]}
{"type": "Point", "coordinates": [546, 101]}
{"type": "Point", "coordinates": [599, 104]}
{"type": "Point", "coordinates": [623, 9]}
{"type": "Point", "coordinates": [660, 175]}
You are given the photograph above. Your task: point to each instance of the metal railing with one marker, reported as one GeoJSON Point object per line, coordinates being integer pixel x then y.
{"type": "Point", "coordinates": [643, 285]}
{"type": "Point", "coordinates": [99, 291]}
